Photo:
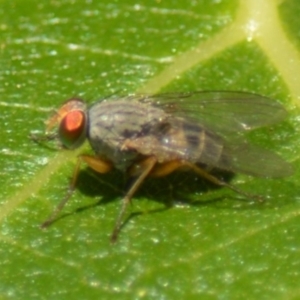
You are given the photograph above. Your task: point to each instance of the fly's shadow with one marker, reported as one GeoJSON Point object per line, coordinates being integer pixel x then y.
{"type": "Point", "coordinates": [178, 188]}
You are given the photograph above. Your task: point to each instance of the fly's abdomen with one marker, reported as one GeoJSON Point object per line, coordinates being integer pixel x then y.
{"type": "Point", "coordinates": [194, 143]}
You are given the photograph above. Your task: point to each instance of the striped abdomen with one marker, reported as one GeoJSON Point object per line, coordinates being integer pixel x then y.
{"type": "Point", "coordinates": [193, 142]}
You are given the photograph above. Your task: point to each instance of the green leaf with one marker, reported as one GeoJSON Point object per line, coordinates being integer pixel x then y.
{"type": "Point", "coordinates": [212, 243]}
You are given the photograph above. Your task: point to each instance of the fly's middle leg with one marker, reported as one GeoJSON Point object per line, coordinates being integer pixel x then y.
{"type": "Point", "coordinates": [141, 169]}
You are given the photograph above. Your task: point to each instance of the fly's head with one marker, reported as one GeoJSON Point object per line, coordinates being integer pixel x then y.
{"type": "Point", "coordinates": [70, 123]}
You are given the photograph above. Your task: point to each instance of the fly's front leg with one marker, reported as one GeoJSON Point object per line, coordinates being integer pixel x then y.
{"type": "Point", "coordinates": [141, 170]}
{"type": "Point", "coordinates": [97, 164]}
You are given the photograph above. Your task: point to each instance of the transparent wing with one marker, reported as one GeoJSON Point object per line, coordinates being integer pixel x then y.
{"type": "Point", "coordinates": [221, 111]}
{"type": "Point", "coordinates": [253, 160]}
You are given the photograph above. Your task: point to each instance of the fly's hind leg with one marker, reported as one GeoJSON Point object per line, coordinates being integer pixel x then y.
{"type": "Point", "coordinates": [201, 172]}
{"type": "Point", "coordinates": [141, 170]}
{"type": "Point", "coordinates": [168, 167]}
{"type": "Point", "coordinates": [97, 164]}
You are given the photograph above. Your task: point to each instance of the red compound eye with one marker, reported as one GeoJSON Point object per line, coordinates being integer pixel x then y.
{"type": "Point", "coordinates": [72, 129]}
{"type": "Point", "coordinates": [73, 121]}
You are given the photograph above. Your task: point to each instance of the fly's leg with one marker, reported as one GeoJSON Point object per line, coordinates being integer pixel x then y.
{"type": "Point", "coordinates": [141, 170]}
{"type": "Point", "coordinates": [168, 167]}
{"type": "Point", "coordinates": [97, 164]}
{"type": "Point", "coordinates": [217, 181]}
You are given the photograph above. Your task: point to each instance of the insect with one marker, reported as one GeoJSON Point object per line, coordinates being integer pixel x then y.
{"type": "Point", "coordinates": [154, 135]}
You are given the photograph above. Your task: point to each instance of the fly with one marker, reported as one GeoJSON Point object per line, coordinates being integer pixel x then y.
{"type": "Point", "coordinates": [154, 135]}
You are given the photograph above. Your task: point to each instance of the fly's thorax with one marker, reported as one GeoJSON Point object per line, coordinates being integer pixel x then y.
{"type": "Point", "coordinates": [112, 123]}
